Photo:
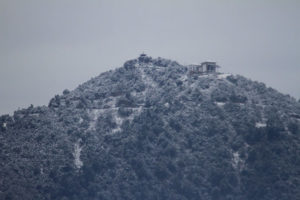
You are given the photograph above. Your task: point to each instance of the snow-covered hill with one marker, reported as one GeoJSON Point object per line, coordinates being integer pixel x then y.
{"type": "Point", "coordinates": [153, 130]}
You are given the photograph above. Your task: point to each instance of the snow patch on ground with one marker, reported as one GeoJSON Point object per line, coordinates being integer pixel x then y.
{"type": "Point", "coordinates": [34, 115]}
{"type": "Point", "coordinates": [111, 109]}
{"type": "Point", "coordinates": [206, 75]}
{"type": "Point", "coordinates": [112, 102]}
{"type": "Point", "coordinates": [220, 104]}
{"type": "Point", "coordinates": [119, 122]}
{"type": "Point", "coordinates": [260, 124]}
{"type": "Point", "coordinates": [147, 80]}
{"type": "Point", "coordinates": [133, 93]}
{"type": "Point", "coordinates": [209, 90]}
{"type": "Point", "coordinates": [77, 151]}
{"type": "Point", "coordinates": [223, 76]}
{"type": "Point", "coordinates": [115, 130]}
{"type": "Point", "coordinates": [184, 78]}
{"type": "Point", "coordinates": [237, 162]}
{"type": "Point", "coordinates": [139, 110]}
{"type": "Point", "coordinates": [94, 114]}
{"type": "Point", "coordinates": [150, 84]}
{"type": "Point", "coordinates": [136, 112]}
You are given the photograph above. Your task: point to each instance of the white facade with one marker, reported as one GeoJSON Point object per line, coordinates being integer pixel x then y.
{"type": "Point", "coordinates": [205, 67]}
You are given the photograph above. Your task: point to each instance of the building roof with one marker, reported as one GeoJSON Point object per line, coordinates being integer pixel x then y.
{"type": "Point", "coordinates": [208, 62]}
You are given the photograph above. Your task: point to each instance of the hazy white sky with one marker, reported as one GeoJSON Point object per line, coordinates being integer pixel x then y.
{"type": "Point", "coordinates": [48, 46]}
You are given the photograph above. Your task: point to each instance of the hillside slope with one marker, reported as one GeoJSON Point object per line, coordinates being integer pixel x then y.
{"type": "Point", "coordinates": [153, 130]}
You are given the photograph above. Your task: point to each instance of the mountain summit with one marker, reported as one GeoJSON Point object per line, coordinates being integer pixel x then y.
{"type": "Point", "coordinates": [155, 129]}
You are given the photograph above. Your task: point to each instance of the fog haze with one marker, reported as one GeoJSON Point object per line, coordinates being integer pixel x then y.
{"type": "Point", "coordinates": [49, 46]}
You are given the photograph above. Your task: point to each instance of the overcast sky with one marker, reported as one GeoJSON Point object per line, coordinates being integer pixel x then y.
{"type": "Point", "coordinates": [48, 46]}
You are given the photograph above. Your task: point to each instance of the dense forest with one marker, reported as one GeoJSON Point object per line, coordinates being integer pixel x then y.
{"type": "Point", "coordinates": [153, 130]}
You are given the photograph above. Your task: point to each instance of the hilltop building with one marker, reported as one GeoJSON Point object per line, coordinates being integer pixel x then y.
{"type": "Point", "coordinates": [205, 67]}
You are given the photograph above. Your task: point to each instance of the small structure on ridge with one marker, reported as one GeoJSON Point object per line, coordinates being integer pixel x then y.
{"type": "Point", "coordinates": [204, 68]}
{"type": "Point", "coordinates": [144, 58]}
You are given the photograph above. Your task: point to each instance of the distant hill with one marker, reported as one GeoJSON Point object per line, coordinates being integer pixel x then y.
{"type": "Point", "coordinates": [154, 129]}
